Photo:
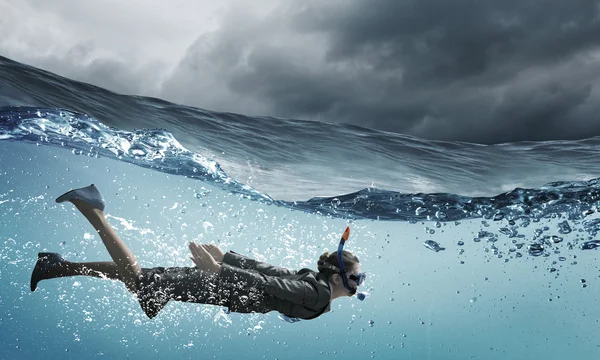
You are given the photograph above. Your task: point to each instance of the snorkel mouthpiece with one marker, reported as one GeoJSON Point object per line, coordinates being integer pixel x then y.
{"type": "Point", "coordinates": [362, 295]}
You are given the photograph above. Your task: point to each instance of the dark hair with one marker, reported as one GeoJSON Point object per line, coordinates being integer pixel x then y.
{"type": "Point", "coordinates": [328, 263]}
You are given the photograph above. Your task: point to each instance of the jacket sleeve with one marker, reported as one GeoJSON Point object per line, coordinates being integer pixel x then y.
{"type": "Point", "coordinates": [243, 262]}
{"type": "Point", "coordinates": [296, 291]}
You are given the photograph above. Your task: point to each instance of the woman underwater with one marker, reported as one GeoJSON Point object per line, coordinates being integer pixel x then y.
{"type": "Point", "coordinates": [242, 284]}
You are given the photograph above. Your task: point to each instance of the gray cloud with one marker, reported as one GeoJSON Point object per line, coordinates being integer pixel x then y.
{"type": "Point", "coordinates": [480, 71]}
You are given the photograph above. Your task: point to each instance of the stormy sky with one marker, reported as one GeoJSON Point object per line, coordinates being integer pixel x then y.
{"type": "Point", "coordinates": [483, 71]}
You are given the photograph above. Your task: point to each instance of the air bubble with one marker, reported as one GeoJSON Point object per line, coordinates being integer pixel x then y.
{"type": "Point", "coordinates": [564, 227]}
{"type": "Point", "coordinates": [335, 203]}
{"type": "Point", "coordinates": [592, 244]}
{"type": "Point", "coordinates": [420, 210]}
{"type": "Point", "coordinates": [432, 245]}
{"type": "Point", "coordinates": [535, 249]}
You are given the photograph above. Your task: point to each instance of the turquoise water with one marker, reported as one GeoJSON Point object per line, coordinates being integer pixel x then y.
{"type": "Point", "coordinates": [423, 304]}
{"type": "Point", "coordinates": [518, 276]}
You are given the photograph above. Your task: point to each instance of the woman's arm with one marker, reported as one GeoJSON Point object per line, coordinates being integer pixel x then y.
{"type": "Point", "coordinates": [301, 292]}
{"type": "Point", "coordinates": [246, 263]}
{"type": "Point", "coordinates": [200, 252]}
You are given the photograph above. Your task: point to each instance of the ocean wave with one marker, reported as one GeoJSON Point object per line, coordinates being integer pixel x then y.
{"type": "Point", "coordinates": [159, 150]}
{"type": "Point", "coordinates": [156, 149]}
{"type": "Point", "coordinates": [291, 159]}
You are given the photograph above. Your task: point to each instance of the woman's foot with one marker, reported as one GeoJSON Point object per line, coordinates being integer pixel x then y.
{"type": "Point", "coordinates": [88, 195]}
{"type": "Point", "coordinates": [45, 263]}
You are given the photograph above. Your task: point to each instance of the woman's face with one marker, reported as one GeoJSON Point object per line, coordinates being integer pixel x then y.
{"type": "Point", "coordinates": [355, 270]}
{"type": "Point", "coordinates": [337, 280]}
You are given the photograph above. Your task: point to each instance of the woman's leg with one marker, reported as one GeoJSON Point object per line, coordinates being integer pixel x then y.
{"type": "Point", "coordinates": [128, 269]}
{"type": "Point", "coordinates": [104, 270]}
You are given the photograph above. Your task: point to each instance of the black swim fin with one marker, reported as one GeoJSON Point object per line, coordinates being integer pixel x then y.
{"type": "Point", "coordinates": [45, 262]}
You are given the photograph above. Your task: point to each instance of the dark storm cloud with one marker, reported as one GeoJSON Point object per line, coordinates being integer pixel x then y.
{"type": "Point", "coordinates": [439, 40]}
{"type": "Point", "coordinates": [470, 53]}
{"type": "Point", "coordinates": [481, 71]}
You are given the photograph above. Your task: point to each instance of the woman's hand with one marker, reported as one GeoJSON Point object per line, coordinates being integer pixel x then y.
{"type": "Point", "coordinates": [203, 259]}
{"type": "Point", "coordinates": [214, 251]}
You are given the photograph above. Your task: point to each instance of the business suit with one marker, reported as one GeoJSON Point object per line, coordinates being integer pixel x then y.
{"type": "Point", "coordinates": [244, 285]}
{"type": "Point", "coordinates": [303, 294]}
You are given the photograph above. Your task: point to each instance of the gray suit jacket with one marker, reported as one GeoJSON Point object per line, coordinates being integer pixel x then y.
{"type": "Point", "coordinates": [303, 294]}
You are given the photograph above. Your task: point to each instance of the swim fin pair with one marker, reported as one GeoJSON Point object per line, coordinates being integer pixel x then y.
{"type": "Point", "coordinates": [47, 261]}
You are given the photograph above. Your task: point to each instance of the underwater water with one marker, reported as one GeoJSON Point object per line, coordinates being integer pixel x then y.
{"type": "Point", "coordinates": [472, 251]}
